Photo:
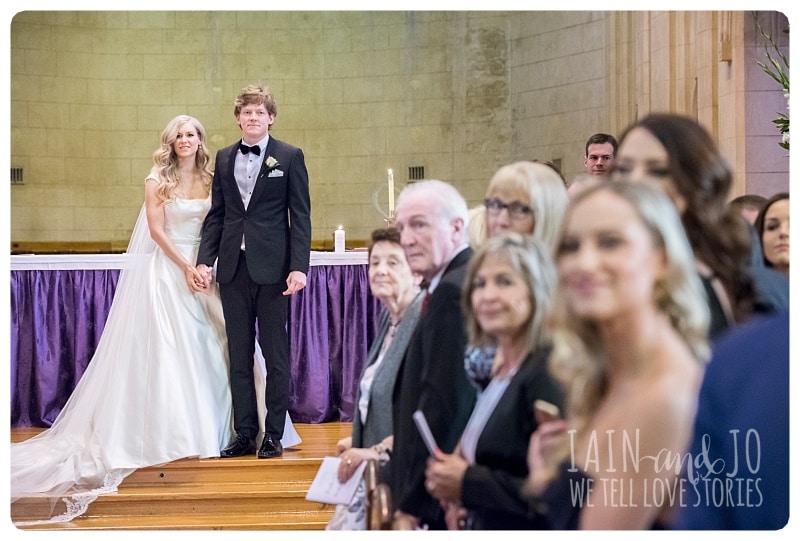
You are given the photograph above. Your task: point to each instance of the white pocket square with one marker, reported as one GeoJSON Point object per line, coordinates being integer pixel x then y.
{"type": "Point", "coordinates": [275, 173]}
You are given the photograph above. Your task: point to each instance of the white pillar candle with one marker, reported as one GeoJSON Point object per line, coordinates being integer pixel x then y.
{"type": "Point", "coordinates": [391, 192]}
{"type": "Point", "coordinates": [338, 240]}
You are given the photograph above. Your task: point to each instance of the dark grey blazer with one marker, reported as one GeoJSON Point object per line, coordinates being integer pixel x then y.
{"type": "Point", "coordinates": [379, 412]}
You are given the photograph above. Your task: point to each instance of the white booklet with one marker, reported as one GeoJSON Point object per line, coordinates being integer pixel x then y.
{"type": "Point", "coordinates": [425, 432]}
{"type": "Point", "coordinates": [326, 487]}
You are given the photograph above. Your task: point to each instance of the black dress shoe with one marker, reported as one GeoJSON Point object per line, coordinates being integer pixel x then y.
{"type": "Point", "coordinates": [270, 448]}
{"type": "Point", "coordinates": [240, 446]}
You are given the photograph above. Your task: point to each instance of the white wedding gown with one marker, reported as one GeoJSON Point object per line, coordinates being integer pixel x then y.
{"type": "Point", "coordinates": [156, 389]}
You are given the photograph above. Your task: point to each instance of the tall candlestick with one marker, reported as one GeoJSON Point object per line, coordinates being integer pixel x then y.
{"type": "Point", "coordinates": [391, 193]}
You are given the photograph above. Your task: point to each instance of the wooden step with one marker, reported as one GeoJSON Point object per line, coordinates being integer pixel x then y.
{"type": "Point", "coordinates": [209, 494]}
{"type": "Point", "coordinates": [219, 499]}
{"type": "Point", "coordinates": [229, 470]}
{"type": "Point", "coordinates": [248, 521]}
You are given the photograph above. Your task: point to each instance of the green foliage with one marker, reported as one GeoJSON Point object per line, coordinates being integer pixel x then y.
{"type": "Point", "coordinates": [777, 67]}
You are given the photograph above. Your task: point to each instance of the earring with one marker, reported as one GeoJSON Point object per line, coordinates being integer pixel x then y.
{"type": "Point", "coordinates": [662, 295]}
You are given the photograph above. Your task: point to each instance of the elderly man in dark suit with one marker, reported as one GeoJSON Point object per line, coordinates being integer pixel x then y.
{"type": "Point", "coordinates": [432, 220]}
{"type": "Point", "coordinates": [258, 230]}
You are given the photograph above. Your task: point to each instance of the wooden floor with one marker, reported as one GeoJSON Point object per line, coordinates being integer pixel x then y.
{"type": "Point", "coordinates": [210, 494]}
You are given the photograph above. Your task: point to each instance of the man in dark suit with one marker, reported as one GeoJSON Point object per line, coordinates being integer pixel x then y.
{"type": "Point", "coordinates": [432, 219]}
{"type": "Point", "coordinates": [258, 230]}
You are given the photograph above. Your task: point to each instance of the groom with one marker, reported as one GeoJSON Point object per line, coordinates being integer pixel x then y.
{"type": "Point", "coordinates": [258, 230]}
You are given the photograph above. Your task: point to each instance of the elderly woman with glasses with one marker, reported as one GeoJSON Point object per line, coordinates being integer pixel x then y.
{"type": "Point", "coordinates": [528, 198]}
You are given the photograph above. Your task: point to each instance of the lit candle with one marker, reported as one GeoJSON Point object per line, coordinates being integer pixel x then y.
{"type": "Point", "coordinates": [338, 240]}
{"type": "Point", "coordinates": [391, 192]}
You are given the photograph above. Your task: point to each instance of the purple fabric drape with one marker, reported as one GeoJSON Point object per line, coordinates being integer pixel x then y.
{"type": "Point", "coordinates": [331, 324]}
{"type": "Point", "coordinates": [57, 317]}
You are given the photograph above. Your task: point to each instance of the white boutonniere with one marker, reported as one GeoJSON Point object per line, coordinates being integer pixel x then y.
{"type": "Point", "coordinates": [271, 168]}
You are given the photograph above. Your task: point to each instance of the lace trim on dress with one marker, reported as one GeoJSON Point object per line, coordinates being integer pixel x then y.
{"type": "Point", "coordinates": [77, 504]}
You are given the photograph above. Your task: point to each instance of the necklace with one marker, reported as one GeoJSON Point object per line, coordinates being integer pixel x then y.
{"type": "Point", "coordinates": [393, 326]}
{"type": "Point", "coordinates": [390, 335]}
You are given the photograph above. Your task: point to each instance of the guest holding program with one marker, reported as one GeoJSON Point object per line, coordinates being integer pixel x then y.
{"type": "Point", "coordinates": [508, 292]}
{"type": "Point", "coordinates": [392, 282]}
{"type": "Point", "coordinates": [432, 219]}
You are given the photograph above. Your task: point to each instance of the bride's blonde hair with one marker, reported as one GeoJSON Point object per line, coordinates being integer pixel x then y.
{"type": "Point", "coordinates": [165, 161]}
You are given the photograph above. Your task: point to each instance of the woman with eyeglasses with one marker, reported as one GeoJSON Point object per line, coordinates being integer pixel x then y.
{"type": "Point", "coordinates": [528, 198]}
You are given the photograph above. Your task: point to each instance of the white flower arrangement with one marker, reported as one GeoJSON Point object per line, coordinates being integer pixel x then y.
{"type": "Point", "coordinates": [271, 162]}
{"type": "Point", "coordinates": [777, 67]}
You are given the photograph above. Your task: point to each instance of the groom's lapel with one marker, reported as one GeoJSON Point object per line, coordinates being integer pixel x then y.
{"type": "Point", "coordinates": [263, 179]}
{"type": "Point", "coordinates": [230, 165]}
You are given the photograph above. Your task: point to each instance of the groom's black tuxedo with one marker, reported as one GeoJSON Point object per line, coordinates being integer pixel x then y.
{"type": "Point", "coordinates": [276, 228]}
{"type": "Point", "coordinates": [274, 248]}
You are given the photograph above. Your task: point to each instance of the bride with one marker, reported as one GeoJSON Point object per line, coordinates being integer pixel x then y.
{"type": "Point", "coordinates": [156, 389]}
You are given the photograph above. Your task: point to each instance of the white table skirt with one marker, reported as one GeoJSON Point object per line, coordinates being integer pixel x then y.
{"type": "Point", "coordinates": [115, 261]}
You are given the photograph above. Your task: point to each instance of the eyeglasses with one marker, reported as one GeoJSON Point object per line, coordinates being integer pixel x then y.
{"type": "Point", "coordinates": [516, 210]}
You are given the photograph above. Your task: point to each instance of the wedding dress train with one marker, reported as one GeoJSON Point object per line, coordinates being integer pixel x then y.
{"type": "Point", "coordinates": [156, 389]}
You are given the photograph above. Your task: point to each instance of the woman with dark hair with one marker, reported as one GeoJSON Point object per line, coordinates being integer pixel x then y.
{"type": "Point", "coordinates": [679, 155]}
{"type": "Point", "coordinates": [772, 225]}
{"type": "Point", "coordinates": [391, 282]}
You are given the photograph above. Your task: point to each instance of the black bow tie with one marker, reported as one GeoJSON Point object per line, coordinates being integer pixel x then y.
{"type": "Point", "coordinates": [255, 149]}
